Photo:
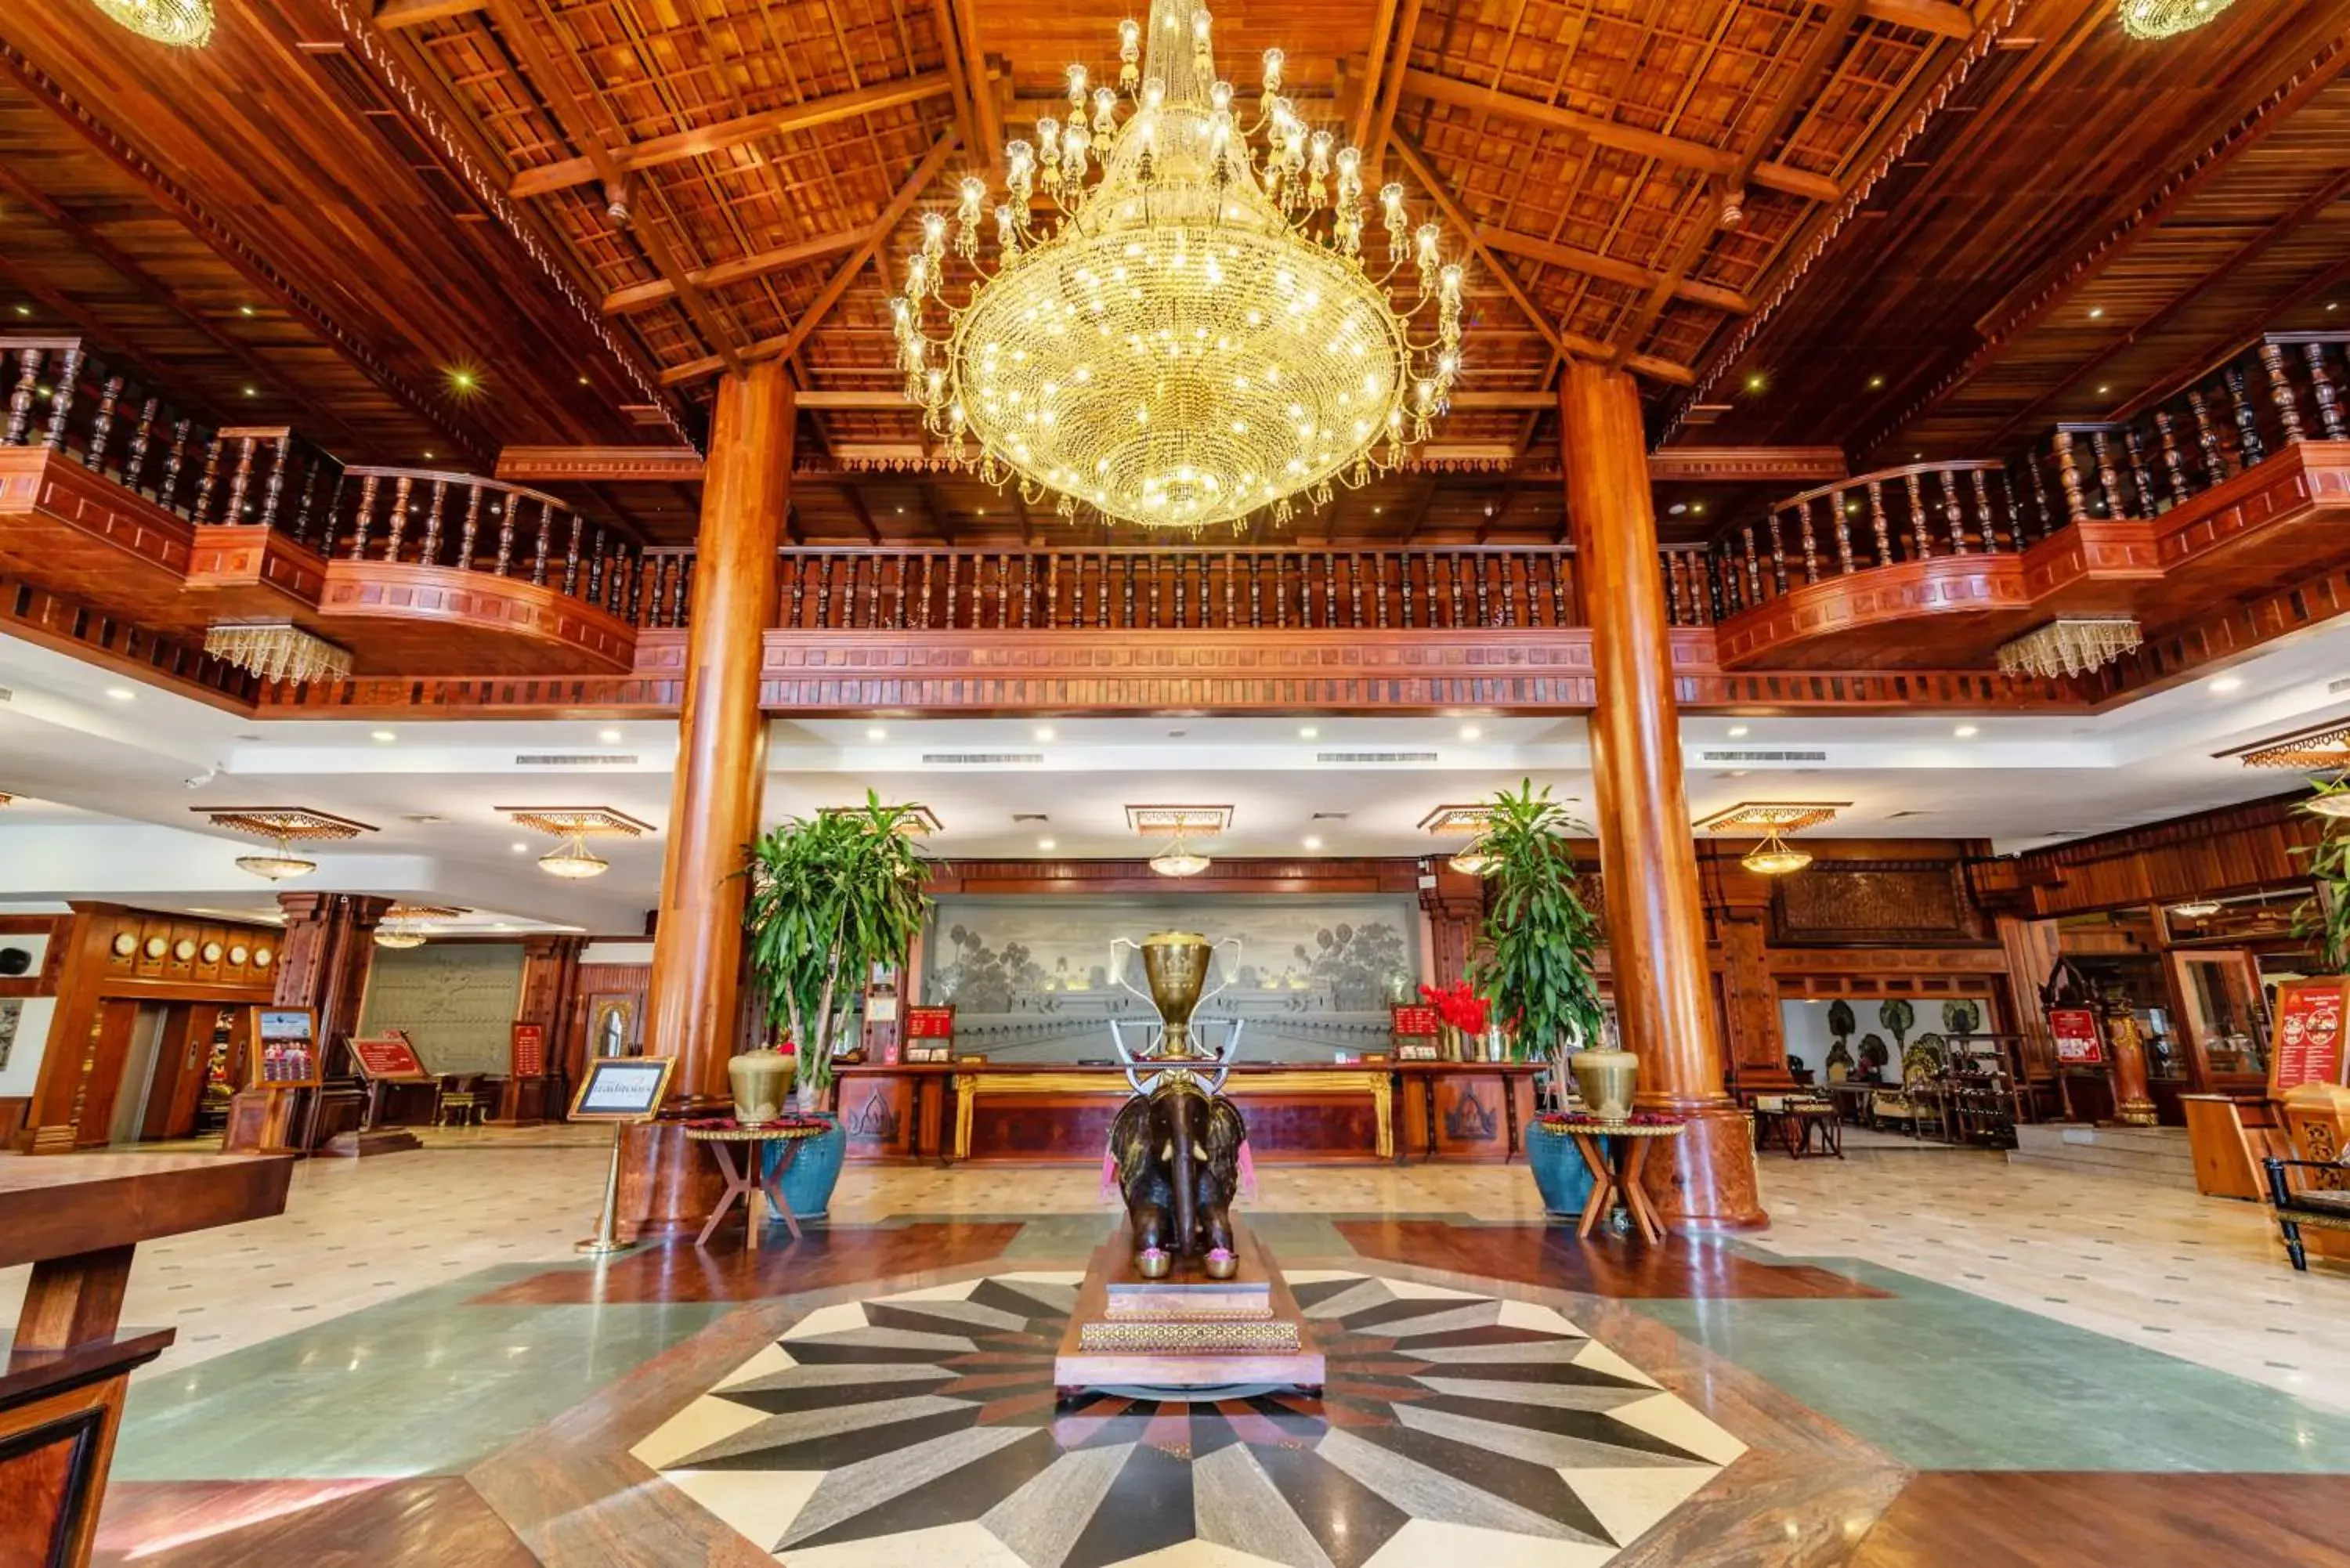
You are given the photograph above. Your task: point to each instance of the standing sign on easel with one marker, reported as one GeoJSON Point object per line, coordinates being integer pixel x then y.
{"type": "Point", "coordinates": [2078, 1044]}
{"type": "Point", "coordinates": [622, 1090]}
{"type": "Point", "coordinates": [2309, 1036]}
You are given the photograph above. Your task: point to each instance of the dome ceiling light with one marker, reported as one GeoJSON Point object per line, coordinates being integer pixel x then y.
{"type": "Point", "coordinates": [1198, 332]}
{"type": "Point", "coordinates": [283, 825]}
{"type": "Point", "coordinates": [575, 825]}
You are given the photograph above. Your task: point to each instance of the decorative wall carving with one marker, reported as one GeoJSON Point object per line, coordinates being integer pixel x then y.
{"type": "Point", "coordinates": [1873, 901]}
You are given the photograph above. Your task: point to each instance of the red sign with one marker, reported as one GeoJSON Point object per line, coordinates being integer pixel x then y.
{"type": "Point", "coordinates": [387, 1056]}
{"type": "Point", "coordinates": [530, 1050]}
{"type": "Point", "coordinates": [2078, 1044]}
{"type": "Point", "coordinates": [930, 1024]}
{"type": "Point", "coordinates": [1414, 1022]}
{"type": "Point", "coordinates": [2308, 1035]}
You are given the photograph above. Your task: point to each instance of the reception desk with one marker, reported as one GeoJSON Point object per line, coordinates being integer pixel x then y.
{"type": "Point", "coordinates": [1298, 1112]}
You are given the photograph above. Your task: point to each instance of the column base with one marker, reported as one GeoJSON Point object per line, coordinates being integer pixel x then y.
{"type": "Point", "coordinates": [1705, 1178]}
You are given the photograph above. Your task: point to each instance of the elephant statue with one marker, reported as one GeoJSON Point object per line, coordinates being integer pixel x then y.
{"type": "Point", "coordinates": [1176, 1150]}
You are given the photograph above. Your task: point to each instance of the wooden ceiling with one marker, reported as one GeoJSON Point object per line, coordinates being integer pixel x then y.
{"type": "Point", "coordinates": [595, 206]}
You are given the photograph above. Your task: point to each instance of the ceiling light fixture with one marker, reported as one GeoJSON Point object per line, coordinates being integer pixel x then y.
{"type": "Point", "coordinates": [277, 650]}
{"type": "Point", "coordinates": [121, 693]}
{"type": "Point", "coordinates": [1966, 732]}
{"type": "Point", "coordinates": [2226, 683]}
{"type": "Point", "coordinates": [182, 24]}
{"type": "Point", "coordinates": [1471, 862]}
{"type": "Point", "coordinates": [386, 735]}
{"type": "Point", "coordinates": [574, 860]}
{"type": "Point", "coordinates": [1045, 732]}
{"type": "Point", "coordinates": [2167, 18]}
{"type": "Point", "coordinates": [278, 866]}
{"type": "Point", "coordinates": [2195, 909]}
{"type": "Point", "coordinates": [1472, 732]}
{"type": "Point", "coordinates": [1311, 842]}
{"type": "Point", "coordinates": [877, 734]}
{"type": "Point", "coordinates": [1308, 733]}
{"type": "Point", "coordinates": [610, 737]}
{"type": "Point", "coordinates": [1738, 731]}
{"type": "Point", "coordinates": [2070, 646]}
{"type": "Point", "coordinates": [1197, 334]}
{"type": "Point", "coordinates": [1178, 860]}
{"type": "Point", "coordinates": [1046, 843]}
{"type": "Point", "coordinates": [1774, 857]}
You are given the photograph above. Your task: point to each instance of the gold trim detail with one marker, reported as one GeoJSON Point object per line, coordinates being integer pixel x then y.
{"type": "Point", "coordinates": [969, 1087]}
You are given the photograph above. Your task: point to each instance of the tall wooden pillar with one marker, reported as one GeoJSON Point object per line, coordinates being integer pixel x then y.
{"type": "Point", "coordinates": [694, 1007]}
{"type": "Point", "coordinates": [1454, 902]}
{"type": "Point", "coordinates": [1655, 924]}
{"type": "Point", "coordinates": [323, 964]}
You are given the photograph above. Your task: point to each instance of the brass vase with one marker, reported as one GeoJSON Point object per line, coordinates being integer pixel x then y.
{"type": "Point", "coordinates": [1605, 1079]}
{"type": "Point", "coordinates": [762, 1082]}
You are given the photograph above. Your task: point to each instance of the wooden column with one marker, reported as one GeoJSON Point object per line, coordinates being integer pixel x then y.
{"type": "Point", "coordinates": [1455, 905]}
{"type": "Point", "coordinates": [694, 1006]}
{"type": "Point", "coordinates": [550, 976]}
{"type": "Point", "coordinates": [1655, 927]}
{"type": "Point", "coordinates": [2031, 955]}
{"type": "Point", "coordinates": [323, 964]}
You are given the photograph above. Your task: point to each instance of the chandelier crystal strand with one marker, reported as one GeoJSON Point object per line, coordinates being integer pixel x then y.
{"type": "Point", "coordinates": [278, 651]}
{"type": "Point", "coordinates": [2071, 646]}
{"type": "Point", "coordinates": [2167, 18]}
{"type": "Point", "coordinates": [182, 24]}
{"type": "Point", "coordinates": [1194, 332]}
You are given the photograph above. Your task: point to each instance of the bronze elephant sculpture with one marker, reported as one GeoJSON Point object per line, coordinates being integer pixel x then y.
{"type": "Point", "coordinates": [1176, 1154]}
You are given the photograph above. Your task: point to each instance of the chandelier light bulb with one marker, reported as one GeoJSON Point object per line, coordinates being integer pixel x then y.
{"type": "Point", "coordinates": [574, 860]}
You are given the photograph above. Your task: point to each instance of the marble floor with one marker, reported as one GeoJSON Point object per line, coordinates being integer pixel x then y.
{"type": "Point", "coordinates": [1931, 1357]}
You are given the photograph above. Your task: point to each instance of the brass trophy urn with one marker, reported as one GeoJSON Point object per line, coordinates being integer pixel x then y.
{"type": "Point", "coordinates": [1175, 1145]}
{"type": "Point", "coordinates": [762, 1082]}
{"type": "Point", "coordinates": [1175, 964]}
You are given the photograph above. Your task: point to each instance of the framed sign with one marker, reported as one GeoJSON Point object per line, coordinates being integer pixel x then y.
{"type": "Point", "coordinates": [287, 1054]}
{"type": "Point", "coordinates": [1415, 1022]}
{"type": "Point", "coordinates": [2310, 1015]}
{"type": "Point", "coordinates": [1407, 1050]}
{"type": "Point", "coordinates": [622, 1088]}
{"type": "Point", "coordinates": [930, 1023]}
{"type": "Point", "coordinates": [920, 1055]}
{"type": "Point", "coordinates": [530, 1050]}
{"type": "Point", "coordinates": [389, 1058]}
{"type": "Point", "coordinates": [2078, 1044]}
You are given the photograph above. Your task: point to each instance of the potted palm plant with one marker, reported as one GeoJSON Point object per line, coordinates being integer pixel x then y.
{"type": "Point", "coordinates": [831, 896]}
{"type": "Point", "coordinates": [1538, 968]}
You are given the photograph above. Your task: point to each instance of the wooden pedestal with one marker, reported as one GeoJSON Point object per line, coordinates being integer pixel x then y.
{"type": "Point", "coordinates": [1130, 1331]}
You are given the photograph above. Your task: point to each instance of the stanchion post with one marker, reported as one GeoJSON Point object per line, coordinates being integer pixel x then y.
{"type": "Point", "coordinates": [604, 1241]}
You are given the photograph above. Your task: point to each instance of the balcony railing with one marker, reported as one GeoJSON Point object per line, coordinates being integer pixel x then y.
{"type": "Point", "coordinates": [63, 397]}
{"type": "Point", "coordinates": [464, 523]}
{"type": "Point", "coordinates": [2284, 388]}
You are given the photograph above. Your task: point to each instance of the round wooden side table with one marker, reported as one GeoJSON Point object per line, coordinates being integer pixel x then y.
{"type": "Point", "coordinates": [1616, 1176]}
{"type": "Point", "coordinates": [753, 1179]}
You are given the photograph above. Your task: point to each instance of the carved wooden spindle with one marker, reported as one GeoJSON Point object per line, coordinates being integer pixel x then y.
{"type": "Point", "coordinates": [1985, 519]}
{"type": "Point", "coordinates": [2207, 436]}
{"type": "Point", "coordinates": [168, 491]}
{"type": "Point", "coordinates": [826, 565]}
{"type": "Point", "coordinates": [2327, 396]}
{"type": "Point", "coordinates": [1840, 510]}
{"type": "Point", "coordinates": [685, 589]}
{"type": "Point", "coordinates": [20, 400]}
{"type": "Point", "coordinates": [142, 440]}
{"type": "Point", "coordinates": [571, 555]}
{"type": "Point", "coordinates": [795, 571]}
{"type": "Point", "coordinates": [401, 508]}
{"type": "Point", "coordinates": [1921, 542]}
{"type": "Point", "coordinates": [1403, 585]}
{"type": "Point", "coordinates": [273, 489]}
{"type": "Point", "coordinates": [2141, 475]}
{"type": "Point", "coordinates": [1778, 556]}
{"type": "Point", "coordinates": [2174, 461]}
{"type": "Point", "coordinates": [954, 591]}
{"type": "Point", "coordinates": [2014, 511]}
{"type": "Point", "coordinates": [508, 513]}
{"type": "Point", "coordinates": [61, 396]}
{"type": "Point", "coordinates": [1452, 579]}
{"type": "Point", "coordinates": [101, 428]}
{"type": "Point", "coordinates": [1810, 540]}
{"type": "Point", "coordinates": [470, 531]}
{"type": "Point", "coordinates": [2044, 520]}
{"type": "Point", "coordinates": [362, 523]}
{"type": "Point", "coordinates": [240, 481]}
{"type": "Point", "coordinates": [302, 506]}
{"type": "Point", "coordinates": [201, 509]}
{"type": "Point", "coordinates": [1330, 591]}
{"type": "Point", "coordinates": [2068, 478]}
{"type": "Point", "coordinates": [597, 566]}
{"type": "Point", "coordinates": [541, 544]}
{"type": "Point", "coordinates": [2109, 479]}
{"type": "Point", "coordinates": [2281, 392]}
{"type": "Point", "coordinates": [431, 554]}
{"type": "Point", "coordinates": [2248, 443]}
{"type": "Point", "coordinates": [1954, 516]}
{"type": "Point", "coordinates": [1876, 523]}
{"type": "Point", "coordinates": [1754, 581]}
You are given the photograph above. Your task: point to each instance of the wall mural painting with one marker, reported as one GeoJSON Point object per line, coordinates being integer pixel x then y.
{"type": "Point", "coordinates": [12, 1013]}
{"type": "Point", "coordinates": [1029, 978]}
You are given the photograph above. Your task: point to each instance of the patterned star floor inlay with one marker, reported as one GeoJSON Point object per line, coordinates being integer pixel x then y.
{"type": "Point", "coordinates": [924, 1428]}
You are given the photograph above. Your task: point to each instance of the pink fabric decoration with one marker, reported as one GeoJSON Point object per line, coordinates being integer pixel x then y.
{"type": "Point", "coordinates": [1248, 1172]}
{"type": "Point", "coordinates": [1109, 1176]}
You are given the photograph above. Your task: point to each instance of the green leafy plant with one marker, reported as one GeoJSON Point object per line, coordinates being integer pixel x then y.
{"type": "Point", "coordinates": [2326, 916]}
{"type": "Point", "coordinates": [831, 896]}
{"type": "Point", "coordinates": [1539, 936]}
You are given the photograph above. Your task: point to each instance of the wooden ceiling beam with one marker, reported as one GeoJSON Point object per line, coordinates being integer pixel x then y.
{"type": "Point", "coordinates": [1386, 90]}
{"type": "Point", "coordinates": [1623, 138]}
{"type": "Point", "coordinates": [680, 145]}
{"type": "Point", "coordinates": [1937, 16]}
{"type": "Point", "coordinates": [967, 70]}
{"type": "Point", "coordinates": [394, 14]}
{"type": "Point", "coordinates": [644, 296]}
{"type": "Point", "coordinates": [598, 464]}
{"type": "Point", "coordinates": [1612, 269]}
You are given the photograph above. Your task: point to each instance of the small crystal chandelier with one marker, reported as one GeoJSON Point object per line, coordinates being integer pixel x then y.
{"type": "Point", "coordinates": [2195, 909]}
{"type": "Point", "coordinates": [574, 860]}
{"type": "Point", "coordinates": [1471, 862]}
{"type": "Point", "coordinates": [278, 651]}
{"type": "Point", "coordinates": [1178, 859]}
{"type": "Point", "coordinates": [406, 925]}
{"type": "Point", "coordinates": [278, 866]}
{"type": "Point", "coordinates": [1198, 332]}
{"type": "Point", "coordinates": [2070, 647]}
{"type": "Point", "coordinates": [2167, 18]}
{"type": "Point", "coordinates": [182, 24]}
{"type": "Point", "coordinates": [1774, 857]}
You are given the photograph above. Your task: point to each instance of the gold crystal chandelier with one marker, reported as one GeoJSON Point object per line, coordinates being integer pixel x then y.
{"type": "Point", "coordinates": [2070, 647]}
{"type": "Point", "coordinates": [276, 865]}
{"type": "Point", "coordinates": [2167, 18]}
{"type": "Point", "coordinates": [183, 23]}
{"type": "Point", "coordinates": [1774, 856]}
{"type": "Point", "coordinates": [278, 651]}
{"type": "Point", "coordinates": [1194, 331]}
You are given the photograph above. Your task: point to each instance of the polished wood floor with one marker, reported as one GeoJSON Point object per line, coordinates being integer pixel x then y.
{"type": "Point", "coordinates": [1616, 1266]}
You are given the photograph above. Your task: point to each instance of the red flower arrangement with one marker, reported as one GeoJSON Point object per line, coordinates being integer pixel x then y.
{"type": "Point", "coordinates": [1460, 1006]}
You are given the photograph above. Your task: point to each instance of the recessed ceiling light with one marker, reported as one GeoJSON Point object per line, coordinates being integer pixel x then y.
{"type": "Point", "coordinates": [428, 455]}
{"type": "Point", "coordinates": [610, 737]}
{"type": "Point", "coordinates": [1966, 732]}
{"type": "Point", "coordinates": [245, 310]}
{"type": "Point", "coordinates": [1874, 382]}
{"type": "Point", "coordinates": [2096, 312]}
{"type": "Point", "coordinates": [1472, 732]}
{"type": "Point", "coordinates": [384, 734]}
{"type": "Point", "coordinates": [1754, 382]}
{"type": "Point", "coordinates": [1699, 508]}
{"type": "Point", "coordinates": [1677, 508]}
{"type": "Point", "coordinates": [252, 392]}
{"type": "Point", "coordinates": [1044, 732]}
{"type": "Point", "coordinates": [1045, 843]}
{"type": "Point", "coordinates": [1307, 733]}
{"type": "Point", "coordinates": [27, 310]}
{"type": "Point", "coordinates": [521, 849]}
{"type": "Point", "coordinates": [1312, 841]}
{"type": "Point", "coordinates": [877, 734]}
{"type": "Point", "coordinates": [1737, 730]}
{"type": "Point", "coordinates": [583, 380]}
{"type": "Point", "coordinates": [2103, 390]}
{"type": "Point", "coordinates": [121, 693]}
{"type": "Point", "coordinates": [2226, 683]}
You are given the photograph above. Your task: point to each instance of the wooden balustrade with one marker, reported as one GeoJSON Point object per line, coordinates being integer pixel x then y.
{"type": "Point", "coordinates": [61, 397]}
{"type": "Point", "coordinates": [405, 515]}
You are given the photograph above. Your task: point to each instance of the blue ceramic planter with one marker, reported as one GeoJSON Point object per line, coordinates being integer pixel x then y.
{"type": "Point", "coordinates": [1560, 1175]}
{"type": "Point", "coordinates": [815, 1171]}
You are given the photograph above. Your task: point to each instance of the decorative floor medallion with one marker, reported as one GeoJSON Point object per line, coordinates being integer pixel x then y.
{"type": "Point", "coordinates": [923, 1428]}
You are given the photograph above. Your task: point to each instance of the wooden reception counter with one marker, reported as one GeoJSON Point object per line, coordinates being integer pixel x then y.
{"type": "Point", "coordinates": [1298, 1112]}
